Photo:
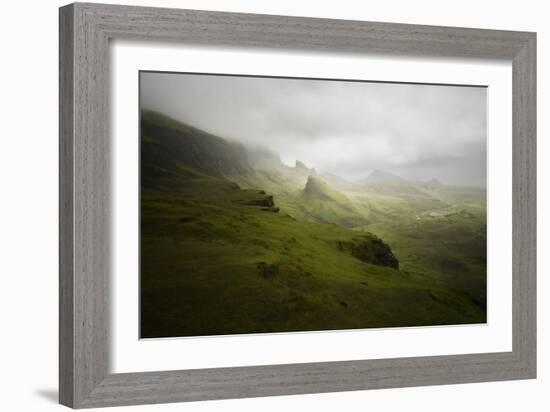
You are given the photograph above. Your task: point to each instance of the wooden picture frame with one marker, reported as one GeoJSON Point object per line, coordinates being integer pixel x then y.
{"type": "Point", "coordinates": [85, 31]}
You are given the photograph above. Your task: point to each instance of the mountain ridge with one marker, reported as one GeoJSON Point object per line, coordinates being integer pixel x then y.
{"type": "Point", "coordinates": [168, 144]}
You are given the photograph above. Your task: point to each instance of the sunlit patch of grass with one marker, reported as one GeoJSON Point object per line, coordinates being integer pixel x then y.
{"type": "Point", "coordinates": [213, 265]}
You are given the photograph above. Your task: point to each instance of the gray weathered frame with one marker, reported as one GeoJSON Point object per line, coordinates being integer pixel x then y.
{"type": "Point", "coordinates": [85, 31]}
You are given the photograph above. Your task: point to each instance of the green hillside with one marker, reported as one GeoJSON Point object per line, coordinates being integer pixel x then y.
{"type": "Point", "coordinates": [230, 247]}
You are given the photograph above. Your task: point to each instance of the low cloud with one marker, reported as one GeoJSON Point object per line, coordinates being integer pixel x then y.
{"type": "Point", "coordinates": [345, 128]}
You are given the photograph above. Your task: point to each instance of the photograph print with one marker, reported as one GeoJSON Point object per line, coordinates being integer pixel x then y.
{"type": "Point", "coordinates": [272, 204]}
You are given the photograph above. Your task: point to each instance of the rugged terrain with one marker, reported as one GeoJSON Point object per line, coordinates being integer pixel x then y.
{"type": "Point", "coordinates": [234, 241]}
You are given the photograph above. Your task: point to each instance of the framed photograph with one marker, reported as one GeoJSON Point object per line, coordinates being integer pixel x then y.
{"type": "Point", "coordinates": [258, 205]}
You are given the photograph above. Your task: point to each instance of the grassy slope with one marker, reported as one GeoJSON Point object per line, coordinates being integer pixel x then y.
{"type": "Point", "coordinates": [211, 265]}
{"type": "Point", "coordinates": [455, 253]}
{"type": "Point", "coordinates": [203, 260]}
{"type": "Point", "coordinates": [320, 204]}
{"type": "Point", "coordinates": [439, 233]}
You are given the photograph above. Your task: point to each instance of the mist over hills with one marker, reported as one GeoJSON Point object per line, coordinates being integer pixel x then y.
{"type": "Point", "coordinates": [346, 128]}
{"type": "Point", "coordinates": [256, 245]}
{"type": "Point", "coordinates": [181, 148]}
{"type": "Point", "coordinates": [211, 154]}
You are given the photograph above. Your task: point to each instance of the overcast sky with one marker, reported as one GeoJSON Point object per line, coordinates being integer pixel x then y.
{"type": "Point", "coordinates": [345, 128]}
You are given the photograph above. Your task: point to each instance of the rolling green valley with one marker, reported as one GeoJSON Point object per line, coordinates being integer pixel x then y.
{"type": "Point", "coordinates": [233, 241]}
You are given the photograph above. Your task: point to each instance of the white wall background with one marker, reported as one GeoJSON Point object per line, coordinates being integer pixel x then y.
{"type": "Point", "coordinates": [28, 206]}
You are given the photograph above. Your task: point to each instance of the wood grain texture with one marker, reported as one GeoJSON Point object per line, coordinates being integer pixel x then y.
{"type": "Point", "coordinates": [524, 211]}
{"type": "Point", "coordinates": [66, 184]}
{"type": "Point", "coordinates": [85, 31]}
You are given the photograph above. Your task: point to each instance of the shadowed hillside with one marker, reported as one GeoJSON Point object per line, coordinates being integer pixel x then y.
{"type": "Point", "coordinates": [168, 146]}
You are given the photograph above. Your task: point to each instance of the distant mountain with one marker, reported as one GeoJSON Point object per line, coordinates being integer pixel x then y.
{"type": "Point", "coordinates": [433, 183]}
{"type": "Point", "coordinates": [381, 176]}
{"type": "Point", "coordinates": [385, 183]}
{"type": "Point", "coordinates": [337, 181]}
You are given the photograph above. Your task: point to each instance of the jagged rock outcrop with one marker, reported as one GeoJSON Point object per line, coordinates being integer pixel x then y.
{"type": "Point", "coordinates": [371, 250]}
{"type": "Point", "coordinates": [316, 188]}
{"type": "Point", "coordinates": [265, 201]}
{"type": "Point", "coordinates": [303, 169]}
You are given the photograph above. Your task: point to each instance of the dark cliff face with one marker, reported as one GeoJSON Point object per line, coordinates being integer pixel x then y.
{"type": "Point", "coordinates": [375, 251]}
{"type": "Point", "coordinates": [371, 250]}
